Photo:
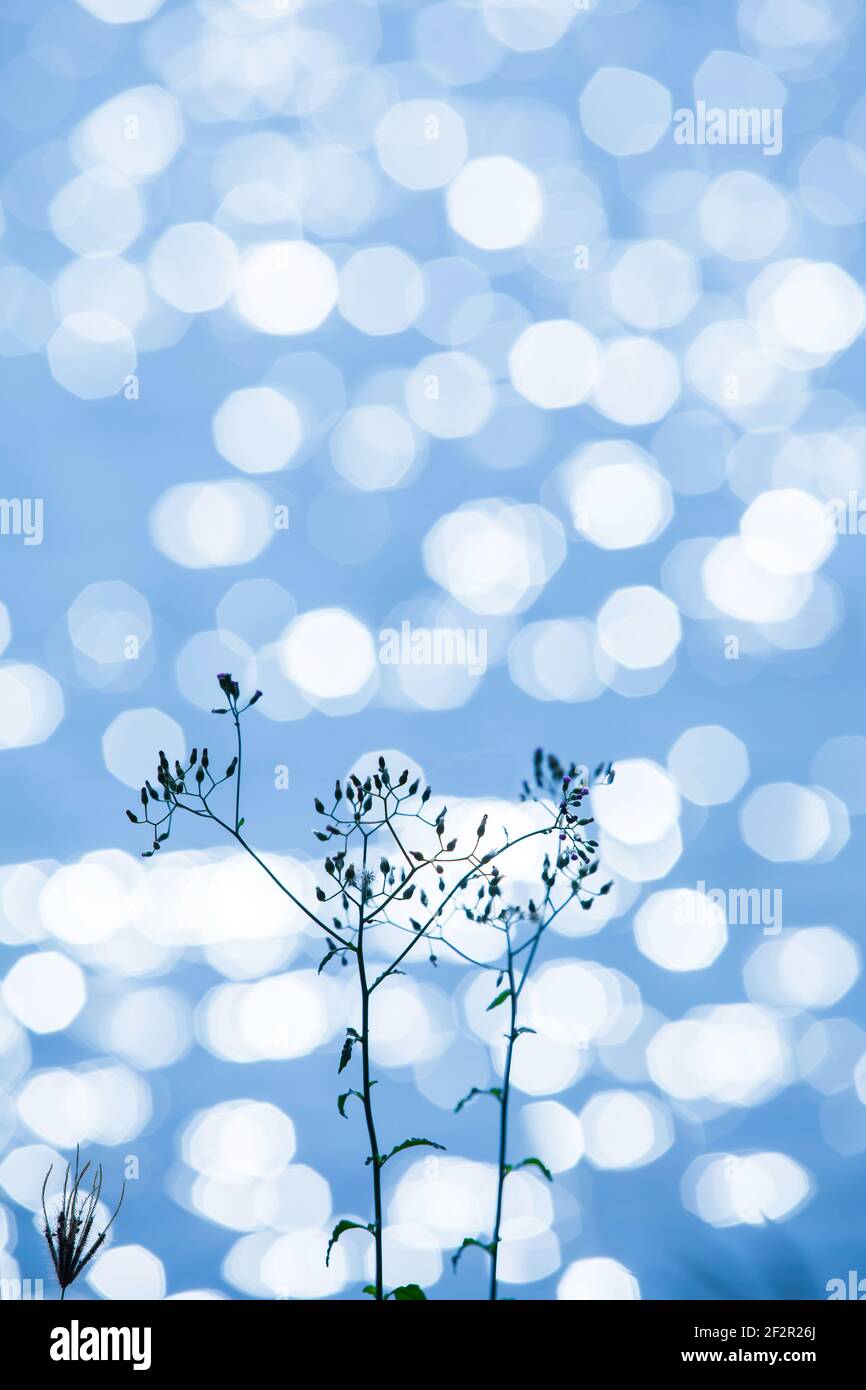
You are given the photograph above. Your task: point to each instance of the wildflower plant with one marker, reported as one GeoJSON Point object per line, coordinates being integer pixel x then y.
{"type": "Point", "coordinates": [70, 1234]}
{"type": "Point", "coordinates": [393, 876]}
{"type": "Point", "coordinates": [564, 880]}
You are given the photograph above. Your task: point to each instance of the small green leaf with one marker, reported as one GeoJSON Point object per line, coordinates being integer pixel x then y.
{"type": "Point", "coordinates": [500, 999]}
{"type": "Point", "coordinates": [407, 1293]}
{"type": "Point", "coordinates": [407, 1144]}
{"type": "Point", "coordinates": [535, 1163]}
{"type": "Point", "coordinates": [329, 955]}
{"type": "Point", "coordinates": [469, 1241]}
{"type": "Point", "coordinates": [346, 1055]}
{"type": "Point", "coordinates": [339, 1230]}
{"type": "Point", "coordinates": [342, 1099]}
{"type": "Point", "coordinates": [478, 1091]}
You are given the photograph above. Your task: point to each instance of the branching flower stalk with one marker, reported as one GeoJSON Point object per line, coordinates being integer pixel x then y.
{"type": "Point", "coordinates": [563, 881]}
{"type": "Point", "coordinates": [373, 870]}
{"type": "Point", "coordinates": [69, 1234]}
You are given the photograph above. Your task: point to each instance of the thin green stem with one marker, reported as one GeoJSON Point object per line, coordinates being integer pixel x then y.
{"type": "Point", "coordinates": [329, 931]}
{"type": "Point", "coordinates": [230, 830]}
{"type": "Point", "coordinates": [238, 771]}
{"type": "Point", "coordinates": [458, 886]}
{"type": "Point", "coordinates": [503, 1121]}
{"type": "Point", "coordinates": [367, 1092]}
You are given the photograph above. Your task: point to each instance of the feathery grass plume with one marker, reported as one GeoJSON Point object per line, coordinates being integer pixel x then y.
{"type": "Point", "coordinates": [71, 1238]}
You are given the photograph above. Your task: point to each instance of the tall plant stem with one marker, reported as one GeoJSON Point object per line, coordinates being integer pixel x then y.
{"type": "Point", "coordinates": [240, 748]}
{"type": "Point", "coordinates": [366, 1092]}
{"type": "Point", "coordinates": [503, 1120]}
